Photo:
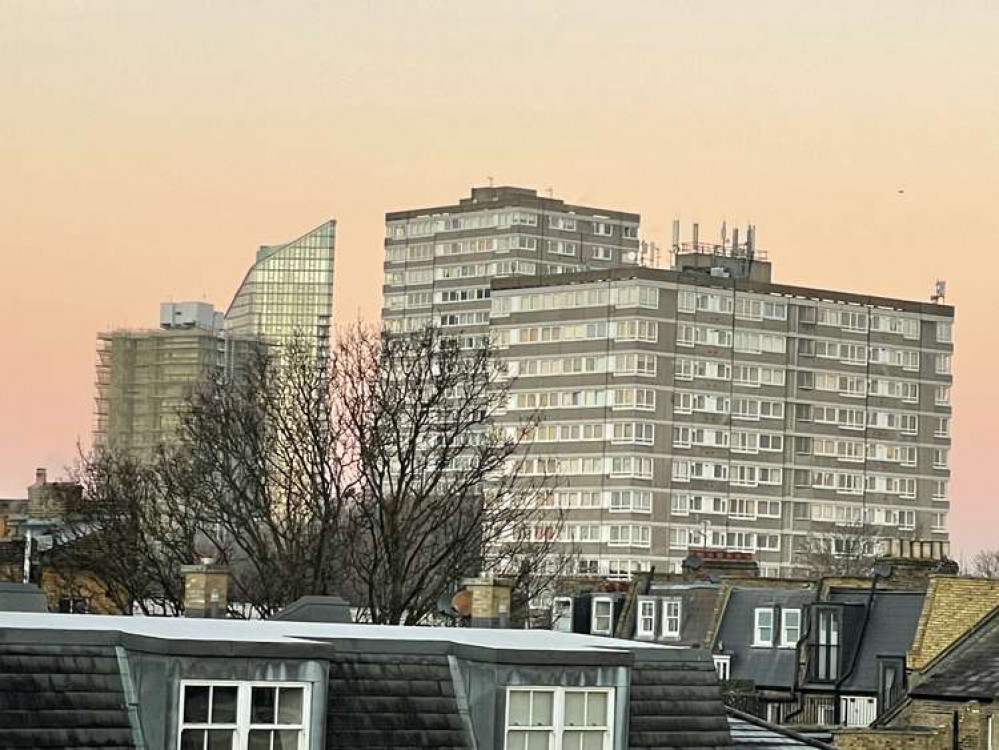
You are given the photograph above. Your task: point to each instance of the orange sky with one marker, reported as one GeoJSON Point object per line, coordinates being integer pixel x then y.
{"type": "Point", "coordinates": [148, 148]}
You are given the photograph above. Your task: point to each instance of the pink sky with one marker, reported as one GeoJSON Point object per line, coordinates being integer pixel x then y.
{"type": "Point", "coordinates": [147, 149]}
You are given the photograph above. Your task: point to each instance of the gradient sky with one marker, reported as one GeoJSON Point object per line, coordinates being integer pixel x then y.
{"type": "Point", "coordinates": [148, 148]}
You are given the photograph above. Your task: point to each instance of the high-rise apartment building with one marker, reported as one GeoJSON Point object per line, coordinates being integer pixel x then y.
{"type": "Point", "coordinates": [145, 377]}
{"type": "Point", "coordinates": [288, 291]}
{"type": "Point", "coordinates": [439, 262]}
{"type": "Point", "coordinates": [706, 406]}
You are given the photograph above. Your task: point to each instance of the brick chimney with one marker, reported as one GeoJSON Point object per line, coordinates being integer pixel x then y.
{"type": "Point", "coordinates": [909, 563]}
{"type": "Point", "coordinates": [41, 475]}
{"type": "Point", "coordinates": [490, 601]}
{"type": "Point", "coordinates": [206, 589]}
{"type": "Point", "coordinates": [712, 564]}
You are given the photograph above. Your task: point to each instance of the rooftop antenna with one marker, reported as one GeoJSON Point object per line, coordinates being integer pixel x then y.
{"type": "Point", "coordinates": [550, 191]}
{"type": "Point", "coordinates": [490, 178]}
{"type": "Point", "coordinates": [940, 292]}
{"type": "Point", "coordinates": [697, 229]}
{"type": "Point", "coordinates": [724, 234]}
{"type": "Point", "coordinates": [676, 234]}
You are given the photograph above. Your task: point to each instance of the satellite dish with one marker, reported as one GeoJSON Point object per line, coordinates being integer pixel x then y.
{"type": "Point", "coordinates": [631, 257]}
{"type": "Point", "coordinates": [692, 562]}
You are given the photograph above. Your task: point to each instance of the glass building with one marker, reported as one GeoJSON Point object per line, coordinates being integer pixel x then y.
{"type": "Point", "coordinates": [288, 290]}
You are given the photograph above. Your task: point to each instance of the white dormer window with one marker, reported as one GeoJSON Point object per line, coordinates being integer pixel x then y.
{"type": "Point", "coordinates": [244, 715]}
{"type": "Point", "coordinates": [790, 627]}
{"type": "Point", "coordinates": [562, 614]}
{"type": "Point", "coordinates": [602, 621]}
{"type": "Point", "coordinates": [645, 626]}
{"type": "Point", "coordinates": [763, 626]}
{"type": "Point", "coordinates": [672, 611]}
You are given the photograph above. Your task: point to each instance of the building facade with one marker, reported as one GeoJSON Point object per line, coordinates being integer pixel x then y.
{"type": "Point", "coordinates": [709, 407]}
{"type": "Point", "coordinates": [288, 292]}
{"type": "Point", "coordinates": [439, 261]}
{"type": "Point", "coordinates": [145, 377]}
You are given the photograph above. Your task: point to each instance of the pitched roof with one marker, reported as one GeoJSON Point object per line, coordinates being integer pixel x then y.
{"type": "Point", "coordinates": [753, 733]}
{"type": "Point", "coordinates": [766, 667]}
{"type": "Point", "coordinates": [62, 696]}
{"type": "Point", "coordinates": [890, 630]}
{"type": "Point", "coordinates": [968, 669]}
{"type": "Point", "coordinates": [676, 703]}
{"type": "Point", "coordinates": [697, 611]}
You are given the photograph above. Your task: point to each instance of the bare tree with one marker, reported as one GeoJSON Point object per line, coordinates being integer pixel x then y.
{"type": "Point", "coordinates": [985, 564]}
{"type": "Point", "coordinates": [850, 550]}
{"type": "Point", "coordinates": [269, 465]}
{"type": "Point", "coordinates": [129, 534]}
{"type": "Point", "coordinates": [445, 491]}
{"type": "Point", "coordinates": [380, 471]}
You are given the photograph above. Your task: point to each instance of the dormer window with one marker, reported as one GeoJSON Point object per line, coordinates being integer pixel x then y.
{"type": "Point", "coordinates": [790, 627]}
{"type": "Point", "coordinates": [827, 645]}
{"type": "Point", "coordinates": [645, 624]}
{"type": "Point", "coordinates": [244, 715]}
{"type": "Point", "coordinates": [763, 626]}
{"type": "Point", "coordinates": [672, 611]}
{"type": "Point", "coordinates": [602, 621]}
{"type": "Point", "coordinates": [562, 614]}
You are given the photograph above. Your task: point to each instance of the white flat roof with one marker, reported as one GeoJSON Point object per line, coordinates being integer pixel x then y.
{"type": "Point", "coordinates": [285, 631]}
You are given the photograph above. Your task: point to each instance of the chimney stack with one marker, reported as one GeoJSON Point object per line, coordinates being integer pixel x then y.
{"type": "Point", "coordinates": [206, 589]}
{"type": "Point", "coordinates": [41, 475]}
{"type": "Point", "coordinates": [490, 601]}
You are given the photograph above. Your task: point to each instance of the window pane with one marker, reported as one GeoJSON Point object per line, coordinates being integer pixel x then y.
{"type": "Point", "coordinates": [516, 741]}
{"type": "Point", "coordinates": [262, 705]}
{"type": "Point", "coordinates": [290, 706]}
{"type": "Point", "coordinates": [593, 741]}
{"type": "Point", "coordinates": [596, 710]}
{"type": "Point", "coordinates": [575, 709]}
{"type": "Point", "coordinates": [260, 739]}
{"type": "Point", "coordinates": [538, 740]}
{"type": "Point", "coordinates": [520, 708]}
{"type": "Point", "coordinates": [286, 739]}
{"type": "Point", "coordinates": [192, 739]}
{"type": "Point", "coordinates": [224, 704]}
{"type": "Point", "coordinates": [196, 704]}
{"type": "Point", "coordinates": [220, 739]}
{"type": "Point", "coordinates": [572, 741]}
{"type": "Point", "coordinates": [542, 713]}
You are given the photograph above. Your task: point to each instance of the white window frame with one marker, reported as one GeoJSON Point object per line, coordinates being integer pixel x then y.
{"type": "Point", "coordinates": [785, 642]}
{"type": "Point", "coordinates": [757, 641]}
{"type": "Point", "coordinates": [672, 619]}
{"type": "Point", "coordinates": [723, 666]}
{"type": "Point", "coordinates": [562, 619]}
{"type": "Point", "coordinates": [593, 616]}
{"type": "Point", "coordinates": [558, 728]}
{"type": "Point", "coordinates": [242, 726]}
{"type": "Point", "coordinates": [645, 619]}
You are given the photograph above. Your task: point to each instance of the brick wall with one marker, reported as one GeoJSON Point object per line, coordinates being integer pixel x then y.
{"type": "Point", "coordinates": [973, 721]}
{"type": "Point", "coordinates": [952, 606]}
{"type": "Point", "coordinates": [890, 739]}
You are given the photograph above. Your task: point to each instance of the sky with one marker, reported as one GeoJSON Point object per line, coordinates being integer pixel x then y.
{"type": "Point", "coordinates": [148, 148]}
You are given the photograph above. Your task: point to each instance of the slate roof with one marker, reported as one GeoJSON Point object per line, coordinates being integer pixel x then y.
{"type": "Point", "coordinates": [22, 597]}
{"type": "Point", "coordinates": [698, 608]}
{"type": "Point", "coordinates": [968, 669]}
{"type": "Point", "coordinates": [676, 703]}
{"type": "Point", "coordinates": [753, 733]}
{"type": "Point", "coordinates": [389, 687]}
{"type": "Point", "coordinates": [766, 667]}
{"type": "Point", "coordinates": [890, 630]}
{"type": "Point", "coordinates": [62, 696]}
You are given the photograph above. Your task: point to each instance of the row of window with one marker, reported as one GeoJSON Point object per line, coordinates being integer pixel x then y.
{"type": "Point", "coordinates": [643, 399]}
{"type": "Point", "coordinates": [635, 295]}
{"type": "Point", "coordinates": [635, 501]}
{"type": "Point", "coordinates": [620, 364]}
{"type": "Point", "coordinates": [622, 330]}
{"type": "Point", "coordinates": [684, 537]}
{"type": "Point", "coordinates": [743, 307]}
{"type": "Point", "coordinates": [639, 467]}
{"type": "Point", "coordinates": [684, 503]}
{"type": "Point", "coordinates": [738, 475]}
{"type": "Point", "coordinates": [688, 402]}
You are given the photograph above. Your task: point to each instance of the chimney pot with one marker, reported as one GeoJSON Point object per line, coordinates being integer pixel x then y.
{"type": "Point", "coordinates": [41, 475]}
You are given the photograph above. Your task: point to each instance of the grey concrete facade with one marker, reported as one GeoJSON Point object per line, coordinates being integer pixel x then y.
{"type": "Point", "coordinates": [687, 410]}
{"type": "Point", "coordinates": [439, 261]}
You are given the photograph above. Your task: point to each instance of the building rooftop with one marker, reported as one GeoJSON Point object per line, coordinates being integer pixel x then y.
{"type": "Point", "coordinates": [510, 283]}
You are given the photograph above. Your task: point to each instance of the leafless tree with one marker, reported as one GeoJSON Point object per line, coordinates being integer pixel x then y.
{"type": "Point", "coordinates": [850, 550]}
{"type": "Point", "coordinates": [129, 533]}
{"type": "Point", "coordinates": [380, 472]}
{"type": "Point", "coordinates": [445, 491]}
{"type": "Point", "coordinates": [269, 466]}
{"type": "Point", "coordinates": [985, 564]}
